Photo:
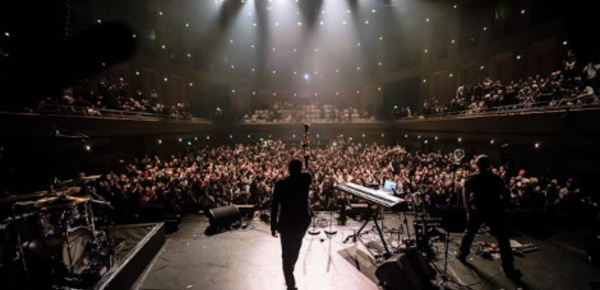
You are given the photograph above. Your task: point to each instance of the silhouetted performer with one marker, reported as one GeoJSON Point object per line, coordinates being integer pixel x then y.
{"type": "Point", "coordinates": [484, 195]}
{"type": "Point", "coordinates": [290, 216]}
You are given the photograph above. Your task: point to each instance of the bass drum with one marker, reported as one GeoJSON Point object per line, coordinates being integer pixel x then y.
{"type": "Point", "coordinates": [76, 251]}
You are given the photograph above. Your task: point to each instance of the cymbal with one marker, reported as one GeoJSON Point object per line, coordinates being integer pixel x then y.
{"type": "Point", "coordinates": [73, 190]}
{"type": "Point", "coordinates": [15, 198]}
{"type": "Point", "coordinates": [90, 178]}
{"type": "Point", "coordinates": [56, 202]}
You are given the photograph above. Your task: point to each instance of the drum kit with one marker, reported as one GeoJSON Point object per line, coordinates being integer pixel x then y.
{"type": "Point", "coordinates": [56, 229]}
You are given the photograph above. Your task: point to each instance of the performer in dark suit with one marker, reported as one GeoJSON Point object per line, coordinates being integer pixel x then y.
{"type": "Point", "coordinates": [291, 215]}
{"type": "Point", "coordinates": [484, 195]}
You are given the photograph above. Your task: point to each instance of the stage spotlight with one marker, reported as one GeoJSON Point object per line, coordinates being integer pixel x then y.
{"type": "Point", "coordinates": [460, 139]}
{"type": "Point", "coordinates": [195, 138]}
{"type": "Point", "coordinates": [492, 142]}
{"type": "Point", "coordinates": [537, 145]}
{"type": "Point", "coordinates": [159, 141]}
{"type": "Point", "coordinates": [180, 139]}
{"type": "Point", "coordinates": [306, 77]}
{"type": "Point", "coordinates": [88, 147]}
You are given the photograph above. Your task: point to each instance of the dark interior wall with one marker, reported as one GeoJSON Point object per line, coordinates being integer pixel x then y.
{"type": "Point", "coordinates": [402, 93]}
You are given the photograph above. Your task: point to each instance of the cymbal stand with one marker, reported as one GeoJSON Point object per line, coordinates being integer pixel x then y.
{"type": "Point", "coordinates": [20, 250]}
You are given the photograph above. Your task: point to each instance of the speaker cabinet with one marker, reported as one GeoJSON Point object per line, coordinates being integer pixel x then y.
{"type": "Point", "coordinates": [224, 216]}
{"type": "Point", "coordinates": [407, 270]}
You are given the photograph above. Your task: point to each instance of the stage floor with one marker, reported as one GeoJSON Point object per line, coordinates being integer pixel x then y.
{"type": "Point", "coordinates": [251, 259]}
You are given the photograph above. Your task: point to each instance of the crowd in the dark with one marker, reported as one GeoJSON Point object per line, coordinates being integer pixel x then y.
{"type": "Point", "coordinates": [315, 111]}
{"type": "Point", "coordinates": [83, 99]}
{"type": "Point", "coordinates": [571, 85]}
{"type": "Point", "coordinates": [245, 174]}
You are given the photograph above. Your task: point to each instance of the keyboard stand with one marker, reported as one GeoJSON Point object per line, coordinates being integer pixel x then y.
{"type": "Point", "coordinates": [371, 215]}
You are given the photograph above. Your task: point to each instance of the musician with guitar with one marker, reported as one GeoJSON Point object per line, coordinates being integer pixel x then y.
{"type": "Point", "coordinates": [290, 211]}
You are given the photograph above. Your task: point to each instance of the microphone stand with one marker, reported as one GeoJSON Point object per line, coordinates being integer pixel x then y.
{"type": "Point", "coordinates": [459, 154]}
{"type": "Point", "coordinates": [305, 152]}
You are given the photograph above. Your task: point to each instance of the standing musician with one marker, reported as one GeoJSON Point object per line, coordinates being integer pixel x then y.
{"type": "Point", "coordinates": [291, 214]}
{"type": "Point", "coordinates": [482, 196]}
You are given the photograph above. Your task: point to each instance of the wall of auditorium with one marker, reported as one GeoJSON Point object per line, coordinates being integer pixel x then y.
{"type": "Point", "coordinates": [461, 47]}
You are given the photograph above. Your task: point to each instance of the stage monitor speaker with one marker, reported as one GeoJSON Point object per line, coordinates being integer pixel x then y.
{"type": "Point", "coordinates": [224, 216]}
{"type": "Point", "coordinates": [246, 210]}
{"type": "Point", "coordinates": [407, 270]}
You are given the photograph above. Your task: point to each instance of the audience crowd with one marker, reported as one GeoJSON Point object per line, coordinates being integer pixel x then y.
{"type": "Point", "coordinates": [572, 85]}
{"type": "Point", "coordinates": [288, 112]}
{"type": "Point", "coordinates": [82, 99]}
{"type": "Point", "coordinates": [245, 174]}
